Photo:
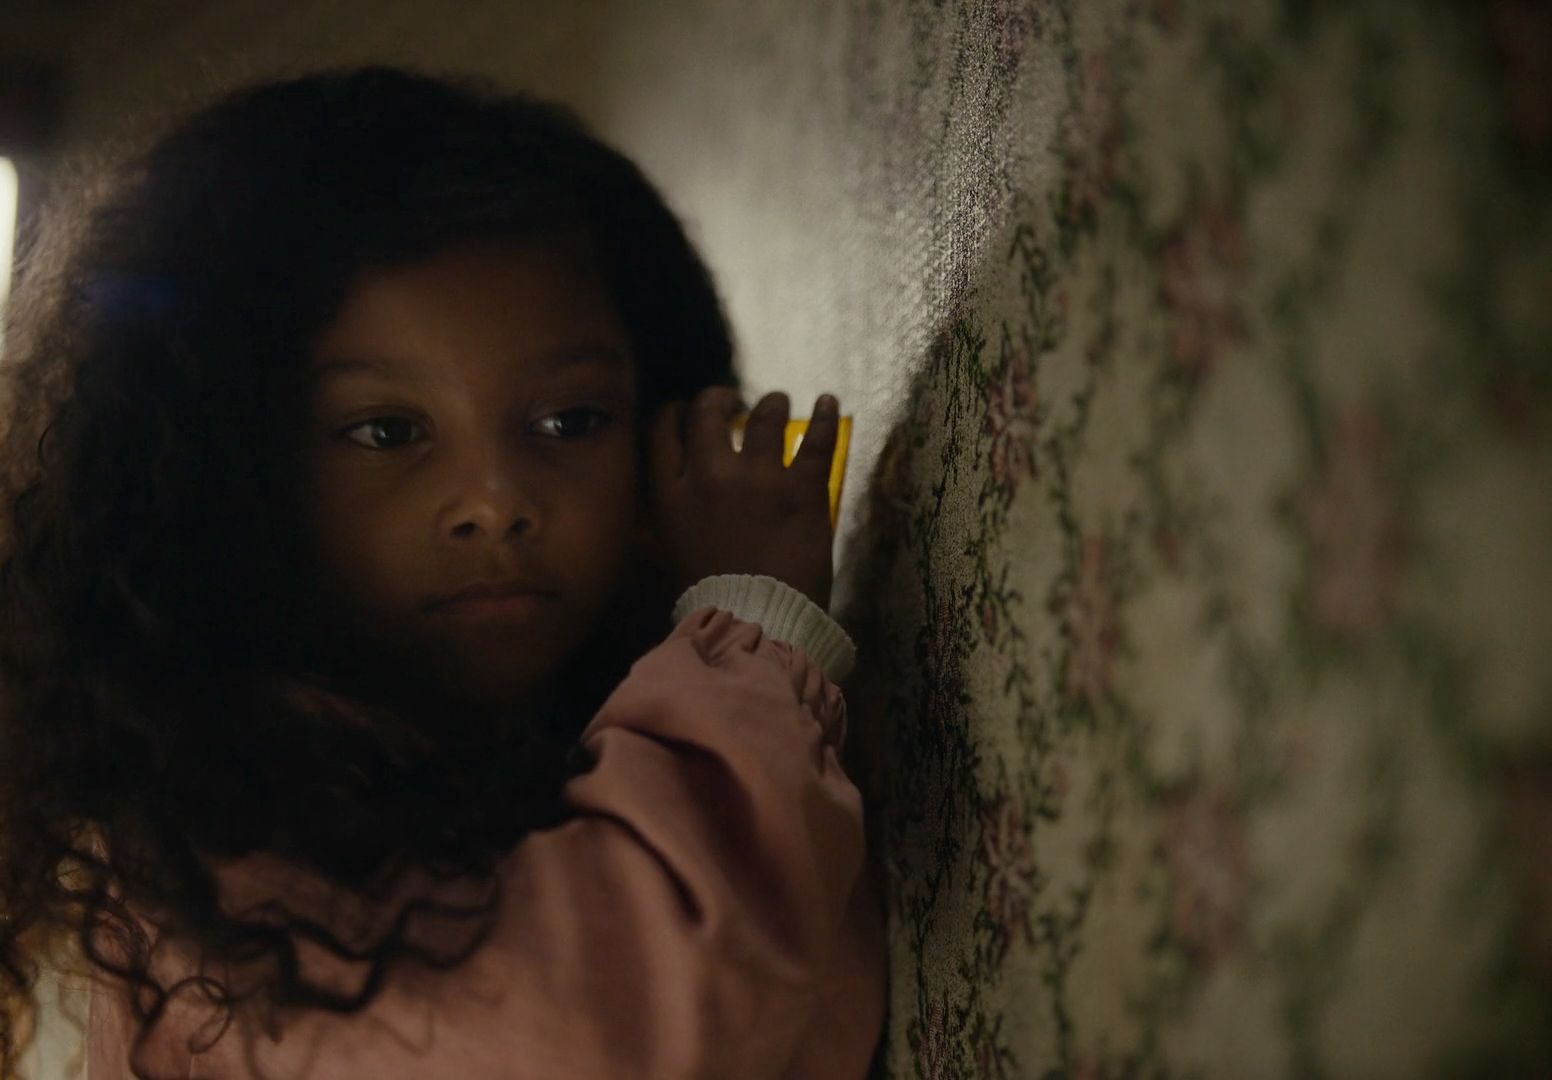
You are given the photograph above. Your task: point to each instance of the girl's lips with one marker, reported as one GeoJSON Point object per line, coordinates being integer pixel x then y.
{"type": "Point", "coordinates": [514, 605]}
{"type": "Point", "coordinates": [492, 599]}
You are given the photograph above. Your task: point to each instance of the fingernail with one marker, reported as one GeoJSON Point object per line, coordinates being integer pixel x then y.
{"type": "Point", "coordinates": [827, 404]}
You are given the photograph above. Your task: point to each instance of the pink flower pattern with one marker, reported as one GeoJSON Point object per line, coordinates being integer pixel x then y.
{"type": "Point", "coordinates": [1010, 422]}
{"type": "Point", "coordinates": [985, 1012]}
{"type": "Point", "coordinates": [933, 1042]}
{"type": "Point", "coordinates": [1091, 136]}
{"type": "Point", "coordinates": [991, 621]}
{"type": "Point", "coordinates": [1009, 860]}
{"type": "Point", "coordinates": [1092, 622]}
{"type": "Point", "coordinates": [1522, 30]}
{"type": "Point", "coordinates": [1014, 26]}
{"type": "Point", "coordinates": [1354, 530]}
{"type": "Point", "coordinates": [1209, 871]}
{"type": "Point", "coordinates": [1170, 547]}
{"type": "Point", "coordinates": [1086, 1068]}
{"type": "Point", "coordinates": [1201, 271]}
{"type": "Point", "coordinates": [1529, 797]}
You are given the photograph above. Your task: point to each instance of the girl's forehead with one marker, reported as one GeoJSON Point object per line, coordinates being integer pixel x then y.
{"type": "Point", "coordinates": [542, 307]}
{"type": "Point", "coordinates": [513, 268]}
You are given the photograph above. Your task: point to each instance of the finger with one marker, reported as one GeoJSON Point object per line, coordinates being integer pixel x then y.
{"type": "Point", "coordinates": [707, 438]}
{"type": "Point", "coordinates": [813, 457]}
{"type": "Point", "coordinates": [666, 445]}
{"type": "Point", "coordinates": [766, 431]}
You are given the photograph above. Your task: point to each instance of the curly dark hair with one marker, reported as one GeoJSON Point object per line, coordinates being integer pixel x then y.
{"type": "Point", "coordinates": [155, 711]}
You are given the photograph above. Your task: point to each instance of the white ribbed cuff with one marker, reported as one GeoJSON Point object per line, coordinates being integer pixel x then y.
{"type": "Point", "coordinates": [782, 612]}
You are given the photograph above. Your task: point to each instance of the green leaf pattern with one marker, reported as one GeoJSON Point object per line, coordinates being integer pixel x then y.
{"type": "Point", "coordinates": [1205, 587]}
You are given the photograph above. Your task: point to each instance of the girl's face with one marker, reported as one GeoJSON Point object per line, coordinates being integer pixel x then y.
{"type": "Point", "coordinates": [470, 467]}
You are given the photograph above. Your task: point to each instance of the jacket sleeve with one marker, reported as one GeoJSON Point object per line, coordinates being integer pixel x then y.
{"type": "Point", "coordinates": [679, 924]}
{"type": "Point", "coordinates": [723, 842]}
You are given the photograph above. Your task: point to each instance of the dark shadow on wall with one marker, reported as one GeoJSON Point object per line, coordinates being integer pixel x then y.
{"type": "Point", "coordinates": [910, 746]}
{"type": "Point", "coordinates": [915, 752]}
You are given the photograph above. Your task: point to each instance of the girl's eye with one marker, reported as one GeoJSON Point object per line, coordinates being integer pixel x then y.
{"type": "Point", "coordinates": [385, 432]}
{"type": "Point", "coordinates": [573, 423]}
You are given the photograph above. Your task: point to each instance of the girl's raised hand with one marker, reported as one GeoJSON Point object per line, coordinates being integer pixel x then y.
{"type": "Point", "coordinates": [722, 511]}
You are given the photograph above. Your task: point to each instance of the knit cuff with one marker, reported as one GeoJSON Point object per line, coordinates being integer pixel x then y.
{"type": "Point", "coordinates": [782, 612]}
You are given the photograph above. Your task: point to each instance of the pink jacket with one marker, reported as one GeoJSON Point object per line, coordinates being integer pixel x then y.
{"type": "Point", "coordinates": [704, 913]}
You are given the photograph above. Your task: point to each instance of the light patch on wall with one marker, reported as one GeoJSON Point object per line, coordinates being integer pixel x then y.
{"type": "Point", "coordinates": [7, 235]}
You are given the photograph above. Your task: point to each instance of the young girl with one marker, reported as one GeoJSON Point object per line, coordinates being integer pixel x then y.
{"type": "Point", "coordinates": [400, 674]}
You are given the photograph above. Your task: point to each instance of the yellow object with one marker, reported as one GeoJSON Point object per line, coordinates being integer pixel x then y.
{"type": "Point", "coordinates": [792, 437]}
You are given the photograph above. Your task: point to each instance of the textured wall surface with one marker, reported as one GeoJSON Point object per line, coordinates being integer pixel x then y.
{"type": "Point", "coordinates": [1198, 537]}
{"type": "Point", "coordinates": [1207, 582]}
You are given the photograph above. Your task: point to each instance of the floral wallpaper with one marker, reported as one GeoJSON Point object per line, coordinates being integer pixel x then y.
{"type": "Point", "coordinates": [1204, 586]}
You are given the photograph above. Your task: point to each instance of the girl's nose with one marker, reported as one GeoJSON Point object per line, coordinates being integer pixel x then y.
{"type": "Point", "coordinates": [488, 495]}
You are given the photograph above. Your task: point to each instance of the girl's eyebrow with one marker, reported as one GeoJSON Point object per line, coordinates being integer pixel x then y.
{"type": "Point", "coordinates": [351, 365]}
{"type": "Point", "coordinates": [604, 356]}
{"type": "Point", "coordinates": [599, 355]}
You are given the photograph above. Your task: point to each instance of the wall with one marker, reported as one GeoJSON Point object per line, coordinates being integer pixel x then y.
{"type": "Point", "coordinates": [1197, 541]}
{"type": "Point", "coordinates": [1208, 583]}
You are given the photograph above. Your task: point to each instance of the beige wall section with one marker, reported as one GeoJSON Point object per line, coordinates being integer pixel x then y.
{"type": "Point", "coordinates": [730, 108]}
